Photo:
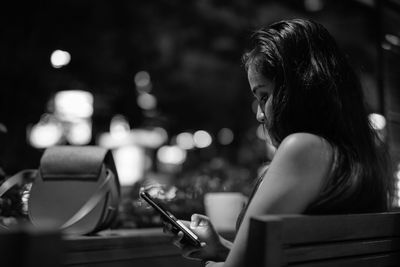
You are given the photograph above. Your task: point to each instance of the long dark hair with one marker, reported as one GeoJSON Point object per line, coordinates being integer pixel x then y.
{"type": "Point", "coordinates": [317, 91]}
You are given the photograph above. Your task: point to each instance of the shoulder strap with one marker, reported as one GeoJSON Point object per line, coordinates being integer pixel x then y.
{"type": "Point", "coordinates": [253, 192]}
{"type": "Point", "coordinates": [92, 202]}
{"type": "Point", "coordinates": [17, 179]}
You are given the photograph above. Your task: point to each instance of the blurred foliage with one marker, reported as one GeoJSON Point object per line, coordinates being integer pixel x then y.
{"type": "Point", "coordinates": [185, 195]}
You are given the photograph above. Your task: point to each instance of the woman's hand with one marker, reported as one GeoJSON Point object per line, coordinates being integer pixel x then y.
{"type": "Point", "coordinates": [213, 246]}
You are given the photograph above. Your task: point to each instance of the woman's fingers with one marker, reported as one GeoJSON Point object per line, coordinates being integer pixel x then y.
{"type": "Point", "coordinates": [199, 220]}
{"type": "Point", "coordinates": [191, 253]}
{"type": "Point", "coordinates": [167, 227]}
{"type": "Point", "coordinates": [177, 240]}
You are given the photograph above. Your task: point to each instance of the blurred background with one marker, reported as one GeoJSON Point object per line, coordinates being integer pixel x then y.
{"type": "Point", "coordinates": [161, 83]}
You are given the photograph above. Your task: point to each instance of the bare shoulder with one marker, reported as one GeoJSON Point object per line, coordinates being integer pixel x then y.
{"type": "Point", "coordinates": [296, 175]}
{"type": "Point", "coordinates": [306, 140]}
{"type": "Point", "coordinates": [306, 156]}
{"type": "Point", "coordinates": [303, 147]}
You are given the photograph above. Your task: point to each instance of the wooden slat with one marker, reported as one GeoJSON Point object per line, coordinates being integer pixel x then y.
{"type": "Point", "coordinates": [115, 239]}
{"type": "Point", "coordinates": [122, 254]}
{"type": "Point", "coordinates": [382, 260]}
{"type": "Point", "coordinates": [265, 247]}
{"type": "Point", "coordinates": [309, 229]}
{"type": "Point", "coordinates": [145, 262]}
{"type": "Point", "coordinates": [120, 248]}
{"type": "Point", "coordinates": [341, 249]}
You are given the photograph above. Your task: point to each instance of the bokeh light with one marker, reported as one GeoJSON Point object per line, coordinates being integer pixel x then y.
{"type": "Point", "coordinates": [202, 139]}
{"type": "Point", "coordinates": [80, 133]}
{"type": "Point", "coordinates": [171, 155]}
{"type": "Point", "coordinates": [130, 162]}
{"type": "Point", "coordinates": [313, 5]}
{"type": "Point", "coordinates": [60, 58]}
{"type": "Point", "coordinates": [185, 140]}
{"type": "Point", "coordinates": [72, 104]}
{"type": "Point", "coordinates": [146, 101]}
{"type": "Point", "coordinates": [378, 122]}
{"type": "Point", "coordinates": [43, 135]}
{"type": "Point", "coordinates": [392, 39]}
{"type": "Point", "coordinates": [119, 126]}
{"type": "Point", "coordinates": [3, 128]}
{"type": "Point", "coordinates": [142, 79]}
{"type": "Point", "coordinates": [225, 136]}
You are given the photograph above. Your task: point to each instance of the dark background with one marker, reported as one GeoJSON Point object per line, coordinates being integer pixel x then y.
{"type": "Point", "coordinates": [192, 50]}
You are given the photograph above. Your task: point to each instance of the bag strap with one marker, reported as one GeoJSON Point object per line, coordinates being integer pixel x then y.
{"type": "Point", "coordinates": [92, 202]}
{"type": "Point", "coordinates": [17, 179]}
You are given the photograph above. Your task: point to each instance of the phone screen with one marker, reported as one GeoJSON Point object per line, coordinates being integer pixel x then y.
{"type": "Point", "coordinates": [177, 225]}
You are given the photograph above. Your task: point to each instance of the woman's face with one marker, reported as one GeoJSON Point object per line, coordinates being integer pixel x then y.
{"type": "Point", "coordinates": [262, 88]}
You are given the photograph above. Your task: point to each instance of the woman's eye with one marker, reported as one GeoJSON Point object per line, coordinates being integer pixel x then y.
{"type": "Point", "coordinates": [263, 99]}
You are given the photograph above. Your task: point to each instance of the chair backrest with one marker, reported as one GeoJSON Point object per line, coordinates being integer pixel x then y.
{"type": "Point", "coordinates": [329, 240]}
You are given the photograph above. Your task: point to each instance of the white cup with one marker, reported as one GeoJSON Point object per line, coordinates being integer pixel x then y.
{"type": "Point", "coordinates": [223, 209]}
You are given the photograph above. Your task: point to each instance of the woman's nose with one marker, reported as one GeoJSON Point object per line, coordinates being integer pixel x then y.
{"type": "Point", "coordinates": [260, 115]}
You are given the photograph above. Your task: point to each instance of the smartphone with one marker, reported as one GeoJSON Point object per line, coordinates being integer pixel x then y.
{"type": "Point", "coordinates": [188, 235]}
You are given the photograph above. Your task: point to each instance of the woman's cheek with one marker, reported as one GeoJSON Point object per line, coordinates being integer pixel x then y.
{"type": "Point", "coordinates": [268, 113]}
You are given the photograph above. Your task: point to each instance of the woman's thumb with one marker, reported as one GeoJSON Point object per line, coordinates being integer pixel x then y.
{"type": "Point", "coordinates": [198, 220]}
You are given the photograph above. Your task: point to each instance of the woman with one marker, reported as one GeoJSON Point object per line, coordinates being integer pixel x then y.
{"type": "Point", "coordinates": [328, 159]}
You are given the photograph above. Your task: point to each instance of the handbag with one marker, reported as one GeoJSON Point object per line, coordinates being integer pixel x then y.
{"type": "Point", "coordinates": [75, 189]}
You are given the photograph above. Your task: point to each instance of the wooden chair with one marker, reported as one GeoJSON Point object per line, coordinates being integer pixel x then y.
{"type": "Point", "coordinates": [325, 241]}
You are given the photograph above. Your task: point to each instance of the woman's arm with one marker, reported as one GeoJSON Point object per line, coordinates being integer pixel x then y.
{"type": "Point", "coordinates": [295, 177]}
